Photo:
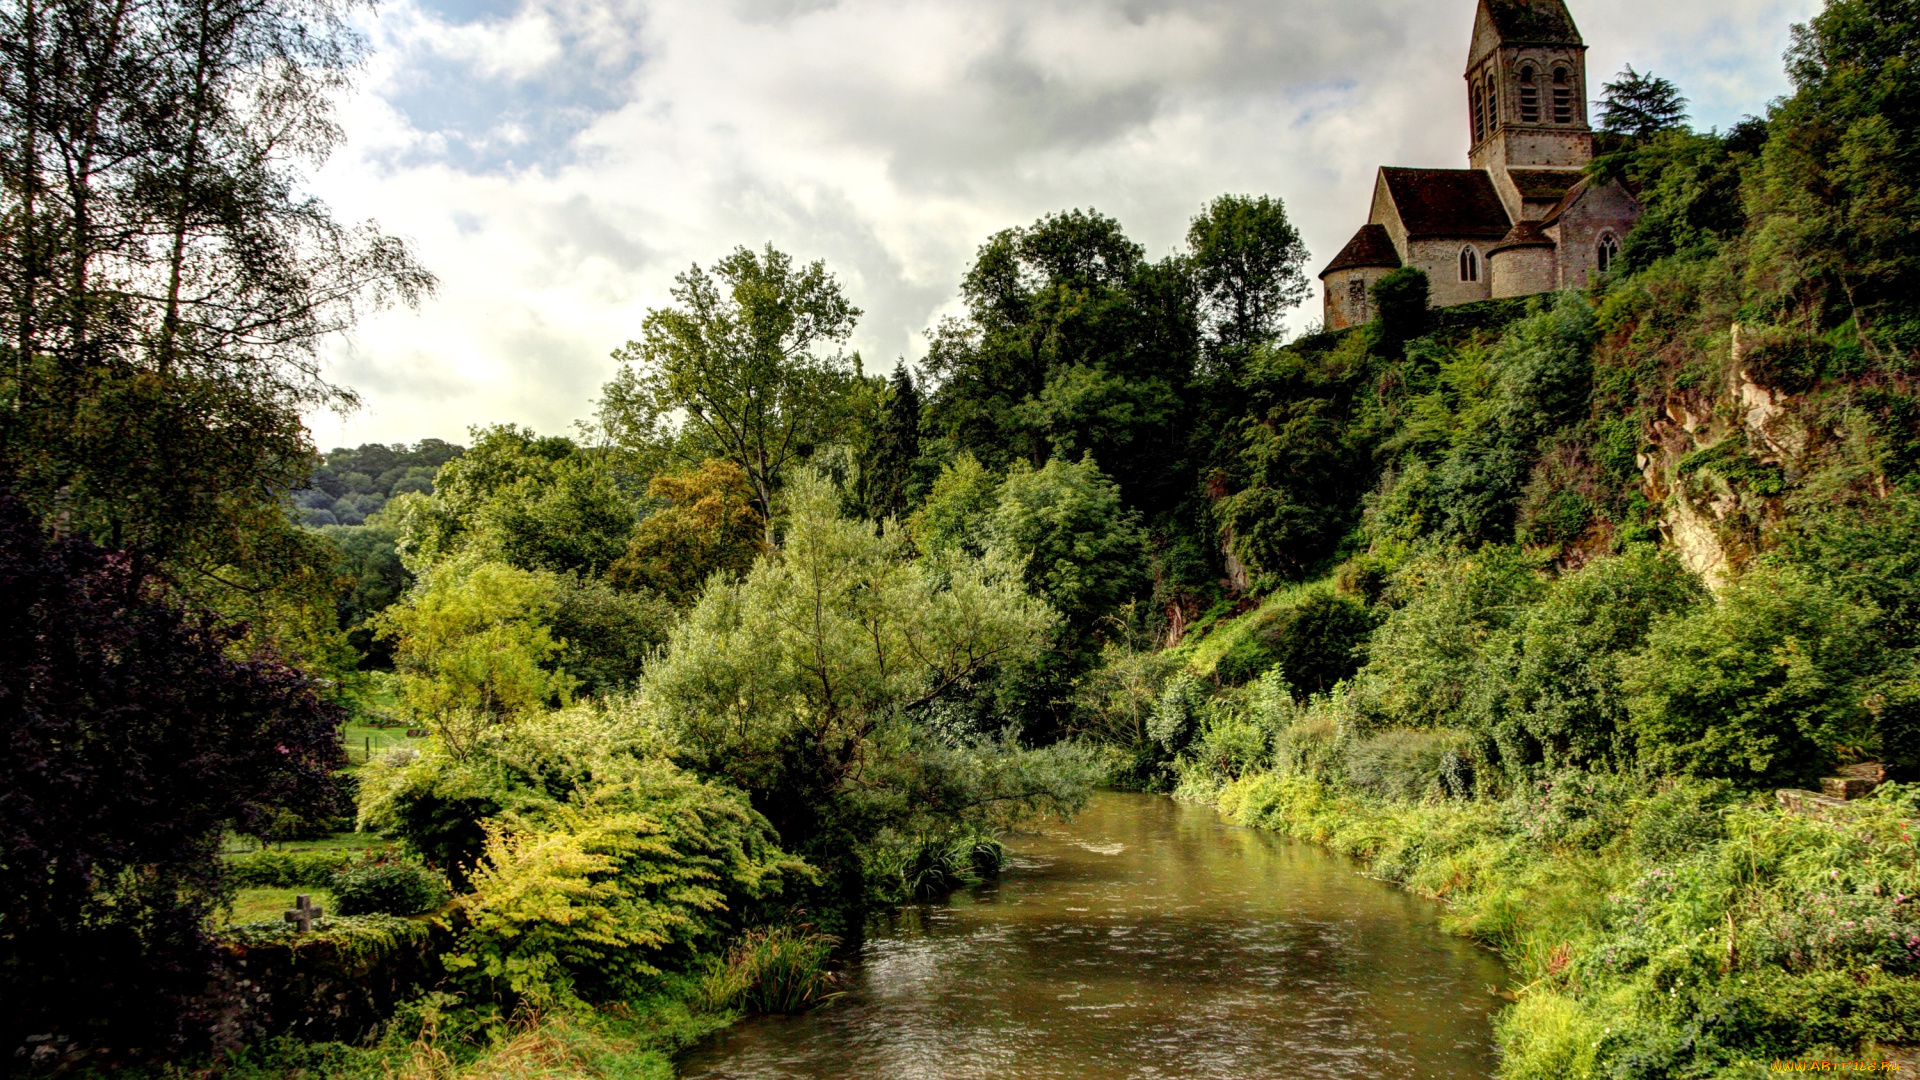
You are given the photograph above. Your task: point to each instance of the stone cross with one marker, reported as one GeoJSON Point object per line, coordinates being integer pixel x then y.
{"type": "Point", "coordinates": [303, 913]}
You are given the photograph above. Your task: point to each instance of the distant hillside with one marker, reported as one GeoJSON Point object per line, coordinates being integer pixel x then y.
{"type": "Point", "coordinates": [352, 484]}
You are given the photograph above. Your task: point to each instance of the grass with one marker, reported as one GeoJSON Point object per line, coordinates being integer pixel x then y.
{"type": "Point", "coordinates": [340, 841]}
{"type": "Point", "coordinates": [1656, 928]}
{"type": "Point", "coordinates": [266, 905]}
{"type": "Point", "coordinates": [367, 741]}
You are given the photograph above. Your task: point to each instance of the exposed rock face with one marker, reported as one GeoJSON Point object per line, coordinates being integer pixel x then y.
{"type": "Point", "coordinates": [1703, 513]}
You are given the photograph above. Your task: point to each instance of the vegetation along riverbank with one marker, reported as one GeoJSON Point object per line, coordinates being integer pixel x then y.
{"type": "Point", "coordinates": [1594, 614]}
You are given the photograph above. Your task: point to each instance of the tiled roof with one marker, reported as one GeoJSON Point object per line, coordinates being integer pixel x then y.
{"type": "Point", "coordinates": [1436, 203]}
{"type": "Point", "coordinates": [1370, 247]}
{"type": "Point", "coordinates": [1544, 185]}
{"type": "Point", "coordinates": [1524, 234]}
{"type": "Point", "coordinates": [1539, 22]}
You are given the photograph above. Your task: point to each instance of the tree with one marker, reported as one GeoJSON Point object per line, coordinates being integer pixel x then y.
{"type": "Point", "coordinates": [166, 285]}
{"type": "Point", "coordinates": [708, 527]}
{"type": "Point", "coordinates": [474, 647]}
{"type": "Point", "coordinates": [135, 738]}
{"type": "Point", "coordinates": [1066, 528]}
{"type": "Point", "coordinates": [803, 683]}
{"type": "Point", "coordinates": [1764, 687]}
{"type": "Point", "coordinates": [888, 478]}
{"type": "Point", "coordinates": [1641, 104]}
{"type": "Point", "coordinates": [1834, 204]}
{"type": "Point", "coordinates": [1247, 260]}
{"type": "Point", "coordinates": [515, 497]}
{"type": "Point", "coordinates": [1072, 344]}
{"type": "Point", "coordinates": [735, 368]}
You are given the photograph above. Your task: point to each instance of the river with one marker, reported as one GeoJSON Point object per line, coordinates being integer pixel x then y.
{"type": "Point", "coordinates": [1147, 939]}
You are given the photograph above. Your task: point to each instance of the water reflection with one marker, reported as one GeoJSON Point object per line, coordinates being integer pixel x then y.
{"type": "Point", "coordinates": [1145, 940]}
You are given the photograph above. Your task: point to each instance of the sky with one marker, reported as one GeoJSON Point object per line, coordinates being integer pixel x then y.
{"type": "Point", "coordinates": [556, 162]}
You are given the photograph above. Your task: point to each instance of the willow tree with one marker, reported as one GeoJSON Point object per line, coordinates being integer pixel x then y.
{"type": "Point", "coordinates": [167, 284]}
{"type": "Point", "coordinates": [809, 684]}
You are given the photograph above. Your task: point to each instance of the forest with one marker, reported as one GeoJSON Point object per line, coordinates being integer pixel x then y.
{"type": "Point", "coordinates": [603, 740]}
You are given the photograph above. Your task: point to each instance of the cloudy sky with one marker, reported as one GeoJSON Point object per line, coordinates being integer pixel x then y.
{"type": "Point", "coordinates": [556, 162]}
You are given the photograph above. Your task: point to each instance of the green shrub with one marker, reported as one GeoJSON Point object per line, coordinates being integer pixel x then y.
{"type": "Point", "coordinates": [388, 888]}
{"type": "Point", "coordinates": [1548, 689]}
{"type": "Point", "coordinates": [1405, 765]}
{"type": "Point", "coordinates": [780, 970]}
{"type": "Point", "coordinates": [903, 868]}
{"type": "Point", "coordinates": [1688, 817]}
{"type": "Point", "coordinates": [1763, 688]}
{"type": "Point", "coordinates": [1316, 641]}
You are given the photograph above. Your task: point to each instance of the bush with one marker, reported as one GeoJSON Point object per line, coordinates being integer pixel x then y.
{"type": "Point", "coordinates": [389, 888]}
{"type": "Point", "coordinates": [1315, 641]}
{"type": "Point", "coordinates": [1406, 765]}
{"type": "Point", "coordinates": [781, 970]}
{"type": "Point", "coordinates": [287, 869]}
{"type": "Point", "coordinates": [900, 869]}
{"type": "Point", "coordinates": [1763, 688]}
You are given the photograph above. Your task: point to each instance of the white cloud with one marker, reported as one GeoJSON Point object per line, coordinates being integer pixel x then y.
{"type": "Point", "coordinates": [558, 163]}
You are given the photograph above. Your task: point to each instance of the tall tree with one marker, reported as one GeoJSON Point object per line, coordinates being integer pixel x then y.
{"type": "Point", "coordinates": [134, 741]}
{"type": "Point", "coordinates": [745, 368]}
{"type": "Point", "coordinates": [165, 282]}
{"type": "Point", "coordinates": [1247, 263]}
{"type": "Point", "coordinates": [1641, 103]}
{"type": "Point", "coordinates": [888, 476]}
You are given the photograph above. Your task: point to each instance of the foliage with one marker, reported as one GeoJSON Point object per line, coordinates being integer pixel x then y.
{"type": "Point", "coordinates": [1316, 641]}
{"type": "Point", "coordinates": [801, 684]}
{"type": "Point", "coordinates": [352, 485]}
{"type": "Point", "coordinates": [134, 740]}
{"type": "Point", "coordinates": [586, 899]}
{"type": "Point", "coordinates": [1247, 262]}
{"type": "Point", "coordinates": [1065, 527]}
{"type": "Point", "coordinates": [776, 970]}
{"type": "Point", "coordinates": [1401, 297]}
{"type": "Point", "coordinates": [732, 371]}
{"type": "Point", "coordinates": [955, 515]}
{"type": "Point", "coordinates": [473, 647]}
{"type": "Point", "coordinates": [902, 868]}
{"type": "Point", "coordinates": [709, 526]}
{"type": "Point", "coordinates": [290, 869]}
{"type": "Point", "coordinates": [1444, 607]}
{"type": "Point", "coordinates": [1549, 690]}
{"type": "Point", "coordinates": [606, 635]}
{"type": "Point", "coordinates": [890, 480]}
{"type": "Point", "coordinates": [1762, 687]}
{"type": "Point", "coordinates": [386, 888]}
{"type": "Point", "coordinates": [168, 284]}
{"type": "Point", "coordinates": [531, 502]}
{"type": "Point", "coordinates": [1641, 104]}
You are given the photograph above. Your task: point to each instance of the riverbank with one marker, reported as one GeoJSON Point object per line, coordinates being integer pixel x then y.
{"type": "Point", "coordinates": [1654, 928]}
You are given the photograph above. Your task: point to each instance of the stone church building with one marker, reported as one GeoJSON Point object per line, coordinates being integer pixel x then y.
{"type": "Point", "coordinates": [1523, 219]}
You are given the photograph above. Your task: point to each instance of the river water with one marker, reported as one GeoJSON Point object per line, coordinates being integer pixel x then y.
{"type": "Point", "coordinates": [1145, 940]}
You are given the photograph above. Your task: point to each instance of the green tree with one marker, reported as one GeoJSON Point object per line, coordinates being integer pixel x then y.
{"type": "Point", "coordinates": [1836, 196]}
{"type": "Point", "coordinates": [1065, 526]}
{"type": "Point", "coordinates": [1247, 263]}
{"type": "Point", "coordinates": [804, 682]}
{"type": "Point", "coordinates": [1641, 104]}
{"type": "Point", "coordinates": [736, 368]}
{"type": "Point", "coordinates": [888, 478]}
{"type": "Point", "coordinates": [167, 283]}
{"type": "Point", "coordinates": [515, 497]}
{"type": "Point", "coordinates": [954, 517]}
{"type": "Point", "coordinates": [1763, 688]}
{"type": "Point", "coordinates": [1549, 690]}
{"type": "Point", "coordinates": [474, 648]}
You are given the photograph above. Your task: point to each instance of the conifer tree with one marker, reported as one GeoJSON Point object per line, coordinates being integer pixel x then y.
{"type": "Point", "coordinates": [888, 477]}
{"type": "Point", "coordinates": [1640, 103]}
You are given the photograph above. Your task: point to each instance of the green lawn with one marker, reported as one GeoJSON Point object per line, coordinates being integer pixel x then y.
{"type": "Point", "coordinates": [365, 741]}
{"type": "Point", "coordinates": [340, 841]}
{"type": "Point", "coordinates": [258, 905]}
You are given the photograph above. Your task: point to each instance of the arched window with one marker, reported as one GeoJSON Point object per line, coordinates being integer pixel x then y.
{"type": "Point", "coordinates": [1562, 96]}
{"type": "Point", "coordinates": [1607, 252]}
{"type": "Point", "coordinates": [1474, 121]}
{"type": "Point", "coordinates": [1489, 104]}
{"type": "Point", "coordinates": [1529, 95]}
{"type": "Point", "coordinates": [1469, 264]}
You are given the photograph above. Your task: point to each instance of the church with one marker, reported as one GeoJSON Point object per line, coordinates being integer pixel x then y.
{"type": "Point", "coordinates": [1524, 218]}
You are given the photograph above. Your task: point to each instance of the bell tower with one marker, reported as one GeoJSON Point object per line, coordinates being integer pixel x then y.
{"type": "Point", "coordinates": [1527, 101]}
